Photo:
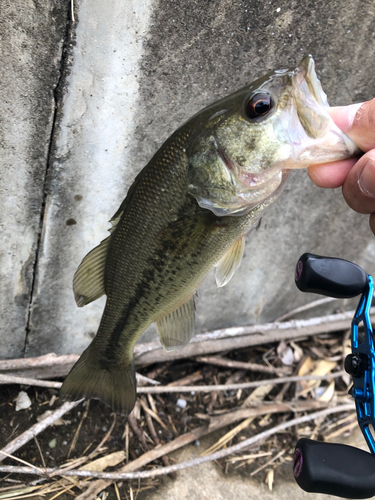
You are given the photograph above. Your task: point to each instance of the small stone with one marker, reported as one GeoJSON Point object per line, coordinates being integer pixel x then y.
{"type": "Point", "coordinates": [52, 443]}
{"type": "Point", "coordinates": [197, 442]}
{"type": "Point", "coordinates": [181, 403]}
{"type": "Point", "coordinates": [23, 401]}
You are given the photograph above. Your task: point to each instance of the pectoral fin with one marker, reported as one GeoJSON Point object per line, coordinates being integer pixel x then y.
{"type": "Point", "coordinates": [230, 262]}
{"type": "Point", "coordinates": [177, 328]}
{"type": "Point", "coordinates": [88, 282]}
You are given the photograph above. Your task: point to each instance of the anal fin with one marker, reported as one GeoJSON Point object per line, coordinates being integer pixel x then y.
{"type": "Point", "coordinates": [230, 262]}
{"type": "Point", "coordinates": [177, 328]}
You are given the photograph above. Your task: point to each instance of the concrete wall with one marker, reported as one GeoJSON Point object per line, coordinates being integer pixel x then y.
{"type": "Point", "coordinates": [32, 35]}
{"type": "Point", "coordinates": [132, 72]}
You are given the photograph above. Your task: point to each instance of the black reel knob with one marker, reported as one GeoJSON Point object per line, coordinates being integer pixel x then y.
{"type": "Point", "coordinates": [356, 364]}
{"type": "Point", "coordinates": [329, 276]}
{"type": "Point", "coordinates": [334, 469]}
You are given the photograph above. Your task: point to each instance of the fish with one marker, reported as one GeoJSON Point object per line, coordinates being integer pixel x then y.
{"type": "Point", "coordinates": [189, 211]}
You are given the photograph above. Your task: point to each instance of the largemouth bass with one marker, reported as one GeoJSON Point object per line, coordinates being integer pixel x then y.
{"type": "Point", "coordinates": [189, 211]}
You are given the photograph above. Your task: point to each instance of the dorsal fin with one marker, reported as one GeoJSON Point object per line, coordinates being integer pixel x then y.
{"type": "Point", "coordinates": [177, 328]}
{"type": "Point", "coordinates": [114, 220]}
{"type": "Point", "coordinates": [230, 262]}
{"type": "Point", "coordinates": [88, 282]}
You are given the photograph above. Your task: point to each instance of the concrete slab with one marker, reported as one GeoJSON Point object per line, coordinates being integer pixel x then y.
{"type": "Point", "coordinates": [31, 49]}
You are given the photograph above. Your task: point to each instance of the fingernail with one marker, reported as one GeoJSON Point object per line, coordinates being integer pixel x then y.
{"type": "Point", "coordinates": [351, 114]}
{"type": "Point", "coordinates": [366, 180]}
{"type": "Point", "coordinates": [344, 115]}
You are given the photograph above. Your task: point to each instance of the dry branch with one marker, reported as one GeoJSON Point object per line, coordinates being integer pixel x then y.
{"type": "Point", "coordinates": [244, 336]}
{"type": "Point", "coordinates": [152, 430]}
{"type": "Point", "coordinates": [51, 365]}
{"type": "Point", "coordinates": [229, 387]}
{"type": "Point", "coordinates": [254, 367]}
{"type": "Point", "coordinates": [160, 389]}
{"type": "Point", "coordinates": [12, 379]}
{"type": "Point", "coordinates": [306, 307]}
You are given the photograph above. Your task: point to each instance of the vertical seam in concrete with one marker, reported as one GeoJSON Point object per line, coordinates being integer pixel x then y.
{"type": "Point", "coordinates": [57, 96]}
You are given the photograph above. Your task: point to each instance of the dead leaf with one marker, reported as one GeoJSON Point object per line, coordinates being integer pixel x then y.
{"type": "Point", "coordinates": [228, 436]}
{"type": "Point", "coordinates": [101, 464]}
{"type": "Point", "coordinates": [257, 396]}
{"type": "Point", "coordinates": [322, 367]}
{"type": "Point", "coordinates": [328, 393]}
{"type": "Point", "coordinates": [306, 366]}
{"type": "Point", "coordinates": [46, 414]}
{"type": "Point", "coordinates": [297, 352]}
{"type": "Point", "coordinates": [285, 354]}
{"type": "Point", "coordinates": [270, 478]}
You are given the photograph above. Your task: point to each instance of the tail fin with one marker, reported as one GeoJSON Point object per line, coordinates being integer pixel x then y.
{"type": "Point", "coordinates": [115, 386]}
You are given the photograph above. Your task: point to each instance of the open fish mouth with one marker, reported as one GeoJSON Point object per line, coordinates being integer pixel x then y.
{"type": "Point", "coordinates": [316, 138]}
{"type": "Point", "coordinates": [305, 125]}
{"type": "Point", "coordinates": [305, 72]}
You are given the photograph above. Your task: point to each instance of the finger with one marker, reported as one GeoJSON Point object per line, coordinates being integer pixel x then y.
{"type": "Point", "coordinates": [372, 222]}
{"type": "Point", "coordinates": [331, 175]}
{"type": "Point", "coordinates": [359, 186]}
{"type": "Point", "coordinates": [358, 122]}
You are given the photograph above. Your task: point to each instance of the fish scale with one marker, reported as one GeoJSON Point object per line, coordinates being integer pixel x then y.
{"type": "Point", "coordinates": [189, 211]}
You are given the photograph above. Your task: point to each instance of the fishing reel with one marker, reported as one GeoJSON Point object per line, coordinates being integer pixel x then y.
{"type": "Point", "coordinates": [330, 468]}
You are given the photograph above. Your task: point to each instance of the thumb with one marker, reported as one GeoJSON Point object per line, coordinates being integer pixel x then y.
{"type": "Point", "coordinates": [358, 122]}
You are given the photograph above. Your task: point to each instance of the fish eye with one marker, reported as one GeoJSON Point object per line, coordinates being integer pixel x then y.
{"type": "Point", "coordinates": [258, 105]}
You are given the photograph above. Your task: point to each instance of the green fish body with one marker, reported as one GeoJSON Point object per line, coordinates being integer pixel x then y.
{"type": "Point", "coordinates": [189, 211]}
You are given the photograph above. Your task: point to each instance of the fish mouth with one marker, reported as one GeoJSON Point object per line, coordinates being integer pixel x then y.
{"type": "Point", "coordinates": [314, 136]}
{"type": "Point", "coordinates": [305, 72]}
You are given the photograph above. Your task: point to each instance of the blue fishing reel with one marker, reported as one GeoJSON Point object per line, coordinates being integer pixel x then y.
{"type": "Point", "coordinates": [338, 469]}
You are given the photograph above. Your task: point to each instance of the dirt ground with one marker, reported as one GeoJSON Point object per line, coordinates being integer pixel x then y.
{"type": "Point", "coordinates": [82, 429]}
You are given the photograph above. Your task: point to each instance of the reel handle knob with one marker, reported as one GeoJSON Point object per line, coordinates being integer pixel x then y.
{"type": "Point", "coordinates": [334, 469]}
{"type": "Point", "coordinates": [329, 276]}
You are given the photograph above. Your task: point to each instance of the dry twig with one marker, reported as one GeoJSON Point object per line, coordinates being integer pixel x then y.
{"type": "Point", "coordinates": [306, 307]}
{"type": "Point", "coordinates": [154, 436]}
{"type": "Point", "coordinates": [254, 367]}
{"type": "Point", "coordinates": [230, 387]}
{"type": "Point", "coordinates": [160, 389]}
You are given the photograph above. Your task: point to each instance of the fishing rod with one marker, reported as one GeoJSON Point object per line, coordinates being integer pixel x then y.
{"type": "Point", "coordinates": [331, 468]}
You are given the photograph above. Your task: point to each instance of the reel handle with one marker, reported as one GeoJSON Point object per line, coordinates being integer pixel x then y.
{"type": "Point", "coordinates": [334, 469]}
{"type": "Point", "coordinates": [329, 276]}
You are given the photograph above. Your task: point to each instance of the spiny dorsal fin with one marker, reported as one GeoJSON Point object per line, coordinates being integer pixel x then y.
{"type": "Point", "coordinates": [114, 220]}
{"type": "Point", "coordinates": [88, 282]}
{"type": "Point", "coordinates": [230, 262]}
{"type": "Point", "coordinates": [177, 328]}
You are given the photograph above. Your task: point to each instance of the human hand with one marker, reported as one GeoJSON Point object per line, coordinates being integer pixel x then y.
{"type": "Point", "coordinates": [356, 176]}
